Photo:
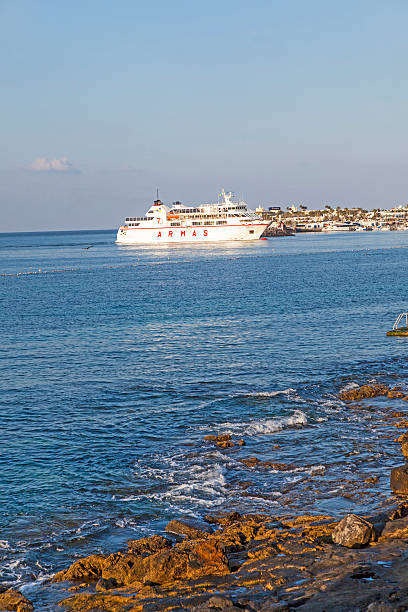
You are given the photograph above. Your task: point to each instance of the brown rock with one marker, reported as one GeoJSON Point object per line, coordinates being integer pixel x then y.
{"type": "Point", "coordinates": [124, 568]}
{"type": "Point", "coordinates": [14, 600]}
{"type": "Point", "coordinates": [105, 584]}
{"type": "Point", "coordinates": [395, 393]}
{"type": "Point", "coordinates": [241, 443]}
{"type": "Point", "coordinates": [363, 392]}
{"type": "Point", "coordinates": [224, 519]}
{"type": "Point", "coordinates": [187, 560]}
{"type": "Point", "coordinates": [371, 480]}
{"type": "Point", "coordinates": [147, 546]}
{"type": "Point", "coordinates": [245, 484]}
{"type": "Point", "coordinates": [404, 443]}
{"type": "Point", "coordinates": [353, 532]}
{"type": "Point", "coordinates": [399, 479]}
{"type": "Point", "coordinates": [274, 465]}
{"type": "Point", "coordinates": [281, 467]}
{"type": "Point", "coordinates": [189, 528]}
{"type": "Point", "coordinates": [222, 440]}
{"type": "Point", "coordinates": [217, 602]}
{"type": "Point", "coordinates": [207, 557]}
{"type": "Point", "coordinates": [88, 568]}
{"type": "Point", "coordinates": [250, 461]}
{"type": "Point", "coordinates": [399, 512]}
{"type": "Point", "coordinates": [397, 528]}
{"type": "Point", "coordinates": [101, 602]}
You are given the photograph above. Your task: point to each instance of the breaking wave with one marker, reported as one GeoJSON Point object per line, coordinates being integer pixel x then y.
{"type": "Point", "coordinates": [265, 426]}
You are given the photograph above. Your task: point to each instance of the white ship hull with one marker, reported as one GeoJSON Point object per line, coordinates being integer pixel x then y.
{"type": "Point", "coordinates": [218, 222]}
{"type": "Point", "coordinates": [202, 233]}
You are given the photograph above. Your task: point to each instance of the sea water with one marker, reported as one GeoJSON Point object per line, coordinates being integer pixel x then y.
{"type": "Point", "coordinates": [116, 362]}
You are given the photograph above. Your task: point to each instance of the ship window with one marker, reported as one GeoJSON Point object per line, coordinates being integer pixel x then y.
{"type": "Point", "coordinates": [175, 224]}
{"type": "Point", "coordinates": [251, 231]}
{"type": "Point", "coordinates": [221, 222]}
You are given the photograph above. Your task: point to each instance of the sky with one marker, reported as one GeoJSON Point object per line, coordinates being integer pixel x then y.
{"type": "Point", "coordinates": [281, 101]}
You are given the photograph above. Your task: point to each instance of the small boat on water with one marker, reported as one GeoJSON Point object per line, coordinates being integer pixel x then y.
{"type": "Point", "coordinates": [338, 227]}
{"type": "Point", "coordinates": [225, 220]}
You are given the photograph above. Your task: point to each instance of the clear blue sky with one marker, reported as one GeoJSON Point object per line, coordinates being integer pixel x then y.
{"type": "Point", "coordinates": [279, 100]}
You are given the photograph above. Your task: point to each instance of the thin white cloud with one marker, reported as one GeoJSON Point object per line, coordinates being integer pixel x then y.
{"type": "Point", "coordinates": [42, 164]}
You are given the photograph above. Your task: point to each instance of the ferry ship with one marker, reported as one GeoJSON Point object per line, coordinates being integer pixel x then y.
{"type": "Point", "coordinates": [225, 220]}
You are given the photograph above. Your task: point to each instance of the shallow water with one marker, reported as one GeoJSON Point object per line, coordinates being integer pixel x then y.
{"type": "Point", "coordinates": [115, 362]}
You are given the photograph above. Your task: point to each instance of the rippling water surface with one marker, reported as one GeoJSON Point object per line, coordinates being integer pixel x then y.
{"type": "Point", "coordinates": [115, 362]}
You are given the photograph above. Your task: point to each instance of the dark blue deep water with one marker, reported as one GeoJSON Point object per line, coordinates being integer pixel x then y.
{"type": "Point", "coordinates": [115, 362]}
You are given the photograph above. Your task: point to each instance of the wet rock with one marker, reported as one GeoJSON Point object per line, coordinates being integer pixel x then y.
{"type": "Point", "coordinates": [224, 438]}
{"type": "Point", "coordinates": [399, 512]}
{"type": "Point", "coordinates": [371, 480]}
{"type": "Point", "coordinates": [245, 484]}
{"type": "Point", "coordinates": [381, 606]}
{"type": "Point", "coordinates": [218, 603]}
{"type": "Point", "coordinates": [224, 519]}
{"type": "Point", "coordinates": [399, 479]}
{"type": "Point", "coordinates": [240, 442]}
{"type": "Point", "coordinates": [404, 444]}
{"type": "Point", "coordinates": [250, 461]}
{"type": "Point", "coordinates": [187, 560]}
{"type": "Point", "coordinates": [353, 532]}
{"type": "Point", "coordinates": [225, 444]}
{"type": "Point", "coordinates": [105, 584]}
{"type": "Point", "coordinates": [397, 528]}
{"type": "Point", "coordinates": [189, 528]}
{"type": "Point", "coordinates": [148, 545]}
{"type": "Point", "coordinates": [363, 392]}
{"type": "Point", "coordinates": [395, 393]}
{"type": "Point", "coordinates": [210, 438]}
{"type": "Point", "coordinates": [258, 563]}
{"type": "Point", "coordinates": [88, 568]}
{"type": "Point", "coordinates": [14, 600]}
{"type": "Point", "coordinates": [273, 465]}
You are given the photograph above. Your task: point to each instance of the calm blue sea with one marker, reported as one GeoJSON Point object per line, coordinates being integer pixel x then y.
{"type": "Point", "coordinates": [115, 362]}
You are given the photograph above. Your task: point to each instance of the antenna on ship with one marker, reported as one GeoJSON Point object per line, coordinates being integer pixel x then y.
{"type": "Point", "coordinates": [157, 193]}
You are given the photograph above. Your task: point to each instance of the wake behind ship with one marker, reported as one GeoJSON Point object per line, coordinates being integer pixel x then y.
{"type": "Point", "coordinates": [225, 220]}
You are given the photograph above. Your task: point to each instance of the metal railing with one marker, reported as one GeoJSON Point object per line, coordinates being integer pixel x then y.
{"type": "Point", "coordinates": [399, 318]}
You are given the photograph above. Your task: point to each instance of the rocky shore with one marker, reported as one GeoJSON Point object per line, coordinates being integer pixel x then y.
{"type": "Point", "coordinates": [256, 562]}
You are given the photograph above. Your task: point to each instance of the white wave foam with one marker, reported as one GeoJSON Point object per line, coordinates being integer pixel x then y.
{"type": "Point", "coordinates": [4, 544]}
{"type": "Point", "coordinates": [349, 386]}
{"type": "Point", "coordinates": [265, 426]}
{"type": "Point", "coordinates": [202, 483]}
{"type": "Point", "coordinates": [288, 391]}
{"type": "Point", "coordinates": [273, 425]}
{"type": "Point", "coordinates": [195, 485]}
